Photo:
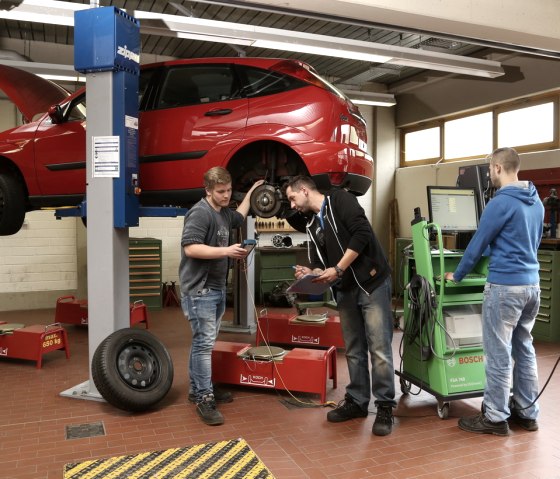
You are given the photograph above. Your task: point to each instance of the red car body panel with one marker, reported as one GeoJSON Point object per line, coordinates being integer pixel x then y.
{"type": "Point", "coordinates": [309, 123]}
{"type": "Point", "coordinates": [30, 93]}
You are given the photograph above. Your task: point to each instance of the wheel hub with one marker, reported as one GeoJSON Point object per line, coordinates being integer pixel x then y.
{"type": "Point", "coordinates": [266, 201]}
{"type": "Point", "coordinates": [137, 366]}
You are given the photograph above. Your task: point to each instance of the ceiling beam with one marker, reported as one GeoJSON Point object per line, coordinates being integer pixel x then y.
{"type": "Point", "coordinates": [514, 25]}
{"type": "Point", "coordinates": [62, 13]}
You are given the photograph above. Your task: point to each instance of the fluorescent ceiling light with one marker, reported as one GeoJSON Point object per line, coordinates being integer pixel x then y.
{"type": "Point", "coordinates": [62, 13]}
{"type": "Point", "coordinates": [371, 98]}
{"type": "Point", "coordinates": [317, 49]}
{"type": "Point", "coordinates": [199, 36]}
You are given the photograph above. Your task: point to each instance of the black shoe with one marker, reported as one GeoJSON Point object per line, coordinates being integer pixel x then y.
{"type": "Point", "coordinates": [206, 409]}
{"type": "Point", "coordinates": [383, 424]}
{"type": "Point", "coordinates": [220, 396]}
{"type": "Point", "coordinates": [481, 425]}
{"type": "Point", "coordinates": [347, 409]}
{"type": "Point", "coordinates": [523, 422]}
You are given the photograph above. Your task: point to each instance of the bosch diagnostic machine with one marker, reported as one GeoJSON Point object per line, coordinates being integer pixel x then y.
{"type": "Point", "coordinates": [442, 341]}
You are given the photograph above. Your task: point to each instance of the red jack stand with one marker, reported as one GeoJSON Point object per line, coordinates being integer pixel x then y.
{"type": "Point", "coordinates": [70, 310]}
{"type": "Point", "coordinates": [170, 297]}
{"type": "Point", "coordinates": [303, 370]}
{"type": "Point", "coordinates": [31, 342]}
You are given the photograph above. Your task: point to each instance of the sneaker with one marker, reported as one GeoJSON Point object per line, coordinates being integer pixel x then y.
{"type": "Point", "coordinates": [345, 410]}
{"type": "Point", "coordinates": [383, 424]}
{"type": "Point", "coordinates": [481, 425]}
{"type": "Point", "coordinates": [220, 396]}
{"type": "Point", "coordinates": [523, 422]}
{"type": "Point", "coordinates": [206, 409]}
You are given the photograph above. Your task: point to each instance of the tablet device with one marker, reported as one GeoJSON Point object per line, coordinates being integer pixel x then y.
{"type": "Point", "coordinates": [249, 245]}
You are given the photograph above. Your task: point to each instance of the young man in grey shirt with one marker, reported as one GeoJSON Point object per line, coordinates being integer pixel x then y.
{"type": "Point", "coordinates": [205, 253]}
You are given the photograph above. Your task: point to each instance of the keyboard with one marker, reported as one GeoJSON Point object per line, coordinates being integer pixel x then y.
{"type": "Point", "coordinates": [469, 278]}
{"type": "Point", "coordinates": [475, 276]}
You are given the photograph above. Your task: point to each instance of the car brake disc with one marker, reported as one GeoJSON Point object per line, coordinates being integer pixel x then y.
{"type": "Point", "coordinates": [266, 201]}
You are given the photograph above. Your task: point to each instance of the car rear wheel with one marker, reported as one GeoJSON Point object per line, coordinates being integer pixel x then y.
{"type": "Point", "coordinates": [12, 205]}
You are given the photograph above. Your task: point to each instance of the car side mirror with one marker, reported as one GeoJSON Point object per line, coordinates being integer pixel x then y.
{"type": "Point", "coordinates": [55, 114]}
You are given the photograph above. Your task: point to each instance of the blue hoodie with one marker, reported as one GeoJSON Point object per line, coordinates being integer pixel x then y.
{"type": "Point", "coordinates": [511, 225]}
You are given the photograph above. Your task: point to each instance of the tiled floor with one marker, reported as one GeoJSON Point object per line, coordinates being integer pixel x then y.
{"type": "Point", "coordinates": [292, 442]}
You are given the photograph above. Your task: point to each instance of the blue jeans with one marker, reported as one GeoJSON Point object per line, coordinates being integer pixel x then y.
{"type": "Point", "coordinates": [204, 311]}
{"type": "Point", "coordinates": [367, 326]}
{"type": "Point", "coordinates": [508, 315]}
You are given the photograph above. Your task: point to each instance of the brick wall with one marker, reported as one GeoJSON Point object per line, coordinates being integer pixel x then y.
{"type": "Point", "coordinates": [41, 256]}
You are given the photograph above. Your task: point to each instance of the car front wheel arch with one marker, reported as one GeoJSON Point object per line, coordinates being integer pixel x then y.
{"type": "Point", "coordinates": [270, 160]}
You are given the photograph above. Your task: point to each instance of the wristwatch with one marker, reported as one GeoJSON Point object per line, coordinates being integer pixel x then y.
{"type": "Point", "coordinates": [339, 271]}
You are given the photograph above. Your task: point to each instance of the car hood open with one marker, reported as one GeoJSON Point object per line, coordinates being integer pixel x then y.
{"type": "Point", "coordinates": [30, 93]}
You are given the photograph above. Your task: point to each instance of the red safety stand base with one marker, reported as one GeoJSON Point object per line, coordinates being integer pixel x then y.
{"type": "Point", "coordinates": [302, 370]}
{"type": "Point", "coordinates": [286, 329]}
{"type": "Point", "coordinates": [32, 342]}
{"type": "Point", "coordinates": [70, 310]}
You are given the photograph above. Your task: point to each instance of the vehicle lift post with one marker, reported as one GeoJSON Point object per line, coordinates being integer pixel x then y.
{"type": "Point", "coordinates": [107, 50]}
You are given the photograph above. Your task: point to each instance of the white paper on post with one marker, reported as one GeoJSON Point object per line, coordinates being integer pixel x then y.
{"type": "Point", "coordinates": [106, 156]}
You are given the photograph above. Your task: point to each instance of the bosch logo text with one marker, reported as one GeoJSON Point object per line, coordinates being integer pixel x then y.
{"type": "Point", "coordinates": [472, 359]}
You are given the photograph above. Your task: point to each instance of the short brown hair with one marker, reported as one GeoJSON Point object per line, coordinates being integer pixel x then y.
{"type": "Point", "coordinates": [507, 158]}
{"type": "Point", "coordinates": [301, 180]}
{"type": "Point", "coordinates": [216, 176]}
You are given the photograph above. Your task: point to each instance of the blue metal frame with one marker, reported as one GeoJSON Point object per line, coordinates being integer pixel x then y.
{"type": "Point", "coordinates": [108, 40]}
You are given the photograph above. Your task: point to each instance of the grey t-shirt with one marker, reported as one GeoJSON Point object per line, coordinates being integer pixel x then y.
{"type": "Point", "coordinates": [202, 226]}
{"type": "Point", "coordinates": [217, 273]}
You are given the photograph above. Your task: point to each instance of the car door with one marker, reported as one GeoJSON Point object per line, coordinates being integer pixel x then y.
{"type": "Point", "coordinates": [60, 151]}
{"type": "Point", "coordinates": [196, 118]}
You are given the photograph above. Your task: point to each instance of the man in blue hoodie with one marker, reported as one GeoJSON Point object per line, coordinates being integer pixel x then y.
{"type": "Point", "coordinates": [511, 226]}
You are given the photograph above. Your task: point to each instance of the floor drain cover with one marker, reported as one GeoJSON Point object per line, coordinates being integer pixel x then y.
{"type": "Point", "coordinates": [78, 431]}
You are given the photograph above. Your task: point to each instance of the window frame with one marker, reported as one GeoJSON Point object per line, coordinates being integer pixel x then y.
{"type": "Point", "coordinates": [498, 108]}
{"type": "Point", "coordinates": [424, 161]}
{"type": "Point", "coordinates": [527, 103]}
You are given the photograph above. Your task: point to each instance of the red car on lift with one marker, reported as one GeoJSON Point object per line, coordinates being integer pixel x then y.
{"type": "Point", "coordinates": [257, 117]}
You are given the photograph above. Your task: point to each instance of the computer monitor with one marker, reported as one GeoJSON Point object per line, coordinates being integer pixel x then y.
{"type": "Point", "coordinates": [453, 208]}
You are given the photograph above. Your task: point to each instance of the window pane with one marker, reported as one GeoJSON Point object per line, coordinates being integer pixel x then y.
{"type": "Point", "coordinates": [267, 82]}
{"type": "Point", "coordinates": [196, 84]}
{"type": "Point", "coordinates": [526, 126]}
{"type": "Point", "coordinates": [422, 144]}
{"type": "Point", "coordinates": [469, 136]}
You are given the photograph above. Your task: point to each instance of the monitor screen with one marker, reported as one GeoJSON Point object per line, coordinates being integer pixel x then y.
{"type": "Point", "coordinates": [454, 209]}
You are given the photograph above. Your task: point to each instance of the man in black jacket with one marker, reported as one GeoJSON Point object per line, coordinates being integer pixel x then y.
{"type": "Point", "coordinates": [345, 252]}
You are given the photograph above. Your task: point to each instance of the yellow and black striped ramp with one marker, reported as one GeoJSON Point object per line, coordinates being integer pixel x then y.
{"type": "Point", "coordinates": [217, 460]}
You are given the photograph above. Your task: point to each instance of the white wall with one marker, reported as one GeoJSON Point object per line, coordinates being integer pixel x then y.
{"type": "Point", "coordinates": [39, 263]}
{"type": "Point", "coordinates": [8, 114]}
{"type": "Point", "coordinates": [411, 182]}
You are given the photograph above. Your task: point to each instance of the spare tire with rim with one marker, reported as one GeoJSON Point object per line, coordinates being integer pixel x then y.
{"type": "Point", "coordinates": [132, 370]}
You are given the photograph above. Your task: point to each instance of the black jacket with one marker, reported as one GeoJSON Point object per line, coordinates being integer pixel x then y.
{"type": "Point", "coordinates": [346, 226]}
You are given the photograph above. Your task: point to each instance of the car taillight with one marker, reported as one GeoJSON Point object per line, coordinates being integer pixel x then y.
{"type": "Point", "coordinates": [337, 179]}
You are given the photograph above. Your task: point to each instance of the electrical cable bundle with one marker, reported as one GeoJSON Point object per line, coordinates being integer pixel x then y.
{"type": "Point", "coordinates": [419, 327]}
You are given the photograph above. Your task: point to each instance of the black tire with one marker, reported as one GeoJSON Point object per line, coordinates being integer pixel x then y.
{"type": "Point", "coordinates": [132, 370]}
{"type": "Point", "coordinates": [12, 205]}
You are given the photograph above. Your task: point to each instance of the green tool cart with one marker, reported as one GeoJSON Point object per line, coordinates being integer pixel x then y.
{"type": "Point", "coordinates": [274, 266]}
{"type": "Point", "coordinates": [145, 271]}
{"type": "Point", "coordinates": [444, 355]}
{"type": "Point", "coordinates": [547, 325]}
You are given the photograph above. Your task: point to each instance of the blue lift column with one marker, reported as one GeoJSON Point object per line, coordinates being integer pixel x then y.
{"type": "Point", "coordinates": [107, 50]}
